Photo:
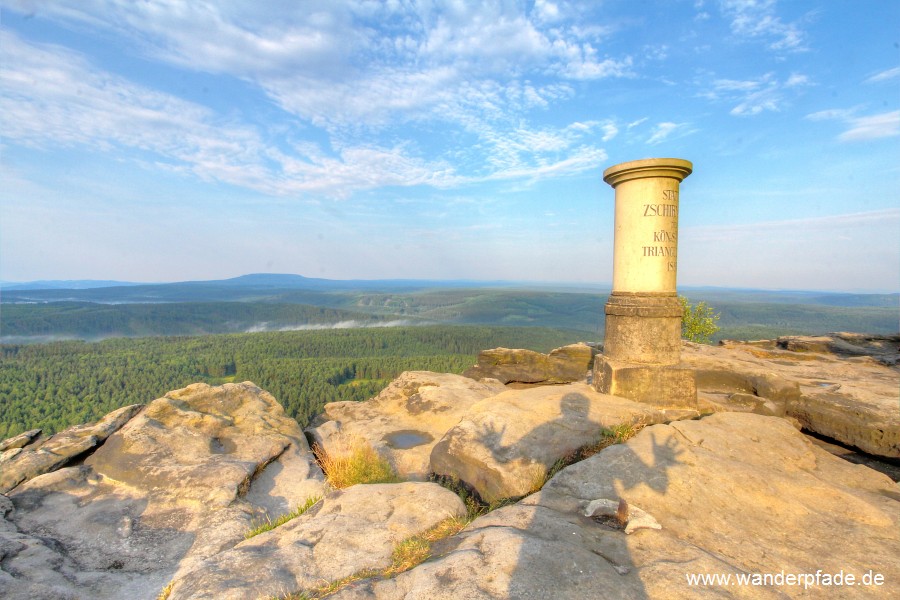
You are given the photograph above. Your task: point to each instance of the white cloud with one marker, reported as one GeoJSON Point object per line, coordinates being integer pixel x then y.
{"type": "Point", "coordinates": [796, 80]}
{"type": "Point", "coordinates": [757, 19]}
{"type": "Point", "coordinates": [832, 113]}
{"type": "Point", "coordinates": [546, 12]}
{"type": "Point", "coordinates": [861, 128]}
{"type": "Point", "coordinates": [872, 127]}
{"type": "Point", "coordinates": [54, 98]}
{"type": "Point", "coordinates": [884, 75]}
{"type": "Point", "coordinates": [663, 131]}
{"type": "Point", "coordinates": [381, 60]}
{"type": "Point", "coordinates": [753, 96]}
{"type": "Point", "coordinates": [609, 131]}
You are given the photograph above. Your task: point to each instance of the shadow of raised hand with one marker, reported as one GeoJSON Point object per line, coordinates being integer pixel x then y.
{"type": "Point", "coordinates": [489, 434]}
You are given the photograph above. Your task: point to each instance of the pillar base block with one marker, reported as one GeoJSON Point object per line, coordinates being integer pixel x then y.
{"type": "Point", "coordinates": [643, 328]}
{"type": "Point", "coordinates": [663, 386]}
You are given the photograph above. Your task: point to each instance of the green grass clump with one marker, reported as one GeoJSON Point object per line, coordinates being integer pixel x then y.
{"type": "Point", "coordinates": [269, 525]}
{"type": "Point", "coordinates": [354, 461]}
{"type": "Point", "coordinates": [415, 550]}
{"type": "Point", "coordinates": [616, 434]}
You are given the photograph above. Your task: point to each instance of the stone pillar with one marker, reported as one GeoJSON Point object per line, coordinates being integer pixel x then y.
{"type": "Point", "coordinates": [642, 347]}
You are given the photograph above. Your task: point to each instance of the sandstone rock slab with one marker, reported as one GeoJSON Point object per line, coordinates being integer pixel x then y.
{"type": "Point", "coordinates": [847, 395]}
{"type": "Point", "coordinates": [562, 365]}
{"type": "Point", "coordinates": [202, 443]}
{"type": "Point", "coordinates": [35, 459]}
{"type": "Point", "coordinates": [19, 441]}
{"type": "Point", "coordinates": [404, 421]}
{"type": "Point", "coordinates": [506, 444]}
{"type": "Point", "coordinates": [354, 529]}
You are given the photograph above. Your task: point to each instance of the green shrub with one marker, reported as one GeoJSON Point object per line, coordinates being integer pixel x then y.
{"type": "Point", "coordinates": [698, 322]}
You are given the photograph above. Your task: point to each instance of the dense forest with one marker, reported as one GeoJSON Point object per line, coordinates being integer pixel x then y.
{"type": "Point", "coordinates": [54, 385]}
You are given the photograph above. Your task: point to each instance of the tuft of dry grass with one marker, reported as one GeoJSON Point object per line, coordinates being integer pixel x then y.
{"type": "Point", "coordinates": [281, 520]}
{"type": "Point", "coordinates": [407, 554]}
{"type": "Point", "coordinates": [164, 594]}
{"type": "Point", "coordinates": [354, 462]}
{"type": "Point", "coordinates": [415, 550]}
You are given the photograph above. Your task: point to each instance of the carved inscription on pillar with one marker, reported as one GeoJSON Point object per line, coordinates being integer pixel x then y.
{"type": "Point", "coordinates": [664, 243]}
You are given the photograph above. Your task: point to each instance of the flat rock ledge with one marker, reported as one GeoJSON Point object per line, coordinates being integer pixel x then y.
{"type": "Point", "coordinates": [404, 421]}
{"type": "Point", "coordinates": [352, 530]}
{"type": "Point", "coordinates": [562, 365]}
{"type": "Point", "coordinates": [842, 386]}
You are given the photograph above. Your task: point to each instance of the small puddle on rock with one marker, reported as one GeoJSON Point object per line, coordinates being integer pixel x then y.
{"type": "Point", "coordinates": [222, 446]}
{"type": "Point", "coordinates": [407, 438]}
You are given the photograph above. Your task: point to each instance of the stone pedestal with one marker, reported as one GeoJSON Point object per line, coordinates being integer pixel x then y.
{"type": "Point", "coordinates": [672, 386]}
{"type": "Point", "coordinates": [642, 347]}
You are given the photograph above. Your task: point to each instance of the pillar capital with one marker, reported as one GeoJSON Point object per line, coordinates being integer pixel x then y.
{"type": "Point", "coordinates": [672, 168]}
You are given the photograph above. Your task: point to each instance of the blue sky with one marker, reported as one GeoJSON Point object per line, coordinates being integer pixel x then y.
{"type": "Point", "coordinates": [166, 140]}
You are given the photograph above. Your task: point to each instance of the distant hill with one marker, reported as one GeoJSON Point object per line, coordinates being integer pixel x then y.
{"type": "Point", "coordinates": [253, 287]}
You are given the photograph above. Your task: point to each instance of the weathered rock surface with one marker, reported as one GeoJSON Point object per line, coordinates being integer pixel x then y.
{"type": "Point", "coordinates": [406, 420]}
{"type": "Point", "coordinates": [506, 444]}
{"type": "Point", "coordinates": [202, 443]}
{"type": "Point", "coordinates": [562, 365]}
{"type": "Point", "coordinates": [735, 494]}
{"type": "Point", "coordinates": [178, 483]}
{"type": "Point", "coordinates": [354, 529]}
{"type": "Point", "coordinates": [884, 348]}
{"type": "Point", "coordinates": [842, 390]}
{"type": "Point", "coordinates": [24, 461]}
{"type": "Point", "coordinates": [19, 441]}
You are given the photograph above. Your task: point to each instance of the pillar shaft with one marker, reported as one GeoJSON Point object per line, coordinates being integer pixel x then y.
{"type": "Point", "coordinates": [645, 258]}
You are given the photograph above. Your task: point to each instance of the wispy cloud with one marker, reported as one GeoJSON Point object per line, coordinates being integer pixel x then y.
{"type": "Point", "coordinates": [830, 223]}
{"type": "Point", "coordinates": [872, 127]}
{"type": "Point", "coordinates": [753, 96]}
{"type": "Point", "coordinates": [861, 128]}
{"type": "Point", "coordinates": [833, 113]}
{"type": "Point", "coordinates": [352, 324]}
{"type": "Point", "coordinates": [884, 75]}
{"type": "Point", "coordinates": [52, 97]}
{"type": "Point", "coordinates": [758, 20]}
{"type": "Point", "coordinates": [663, 131]}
